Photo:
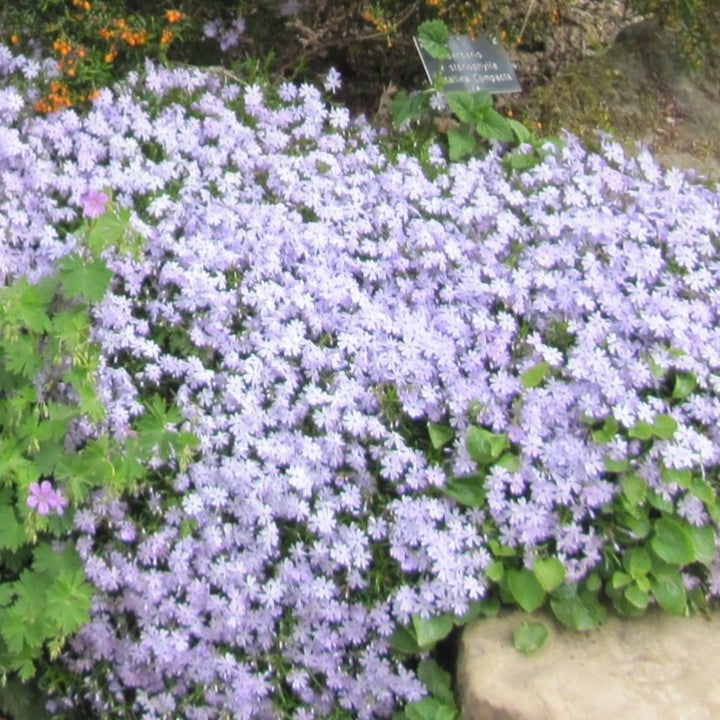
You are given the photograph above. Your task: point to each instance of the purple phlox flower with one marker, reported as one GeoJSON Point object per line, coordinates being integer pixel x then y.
{"type": "Point", "coordinates": [43, 498]}
{"type": "Point", "coordinates": [94, 203]}
{"type": "Point", "coordinates": [333, 81]}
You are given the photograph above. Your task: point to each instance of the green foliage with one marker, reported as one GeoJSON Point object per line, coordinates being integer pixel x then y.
{"type": "Point", "coordinates": [650, 546]}
{"type": "Point", "coordinates": [529, 637]}
{"type": "Point", "coordinates": [440, 703]}
{"type": "Point", "coordinates": [470, 122]}
{"type": "Point", "coordinates": [429, 631]}
{"type": "Point", "coordinates": [433, 36]}
{"type": "Point", "coordinates": [698, 21]}
{"type": "Point", "coordinates": [93, 42]}
{"type": "Point", "coordinates": [48, 366]}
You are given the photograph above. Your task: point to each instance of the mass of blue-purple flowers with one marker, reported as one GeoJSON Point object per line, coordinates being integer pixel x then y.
{"type": "Point", "coordinates": [303, 299]}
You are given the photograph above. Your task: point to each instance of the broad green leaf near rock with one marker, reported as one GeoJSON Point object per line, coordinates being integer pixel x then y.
{"type": "Point", "coordinates": [436, 680]}
{"type": "Point", "coordinates": [429, 631]}
{"type": "Point", "coordinates": [529, 637]}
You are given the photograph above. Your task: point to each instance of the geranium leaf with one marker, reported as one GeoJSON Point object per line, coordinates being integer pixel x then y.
{"type": "Point", "coordinates": [433, 35]}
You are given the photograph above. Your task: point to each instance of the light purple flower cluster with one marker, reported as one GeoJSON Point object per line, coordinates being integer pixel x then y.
{"type": "Point", "coordinates": [303, 299]}
{"type": "Point", "coordinates": [228, 35]}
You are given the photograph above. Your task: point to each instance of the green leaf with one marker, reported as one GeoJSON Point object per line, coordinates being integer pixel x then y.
{"type": "Point", "coordinates": [642, 431]}
{"type": "Point", "coordinates": [550, 573]}
{"type": "Point", "coordinates": [429, 709]}
{"type": "Point", "coordinates": [634, 489]}
{"type": "Point", "coordinates": [510, 461]}
{"type": "Point", "coordinates": [620, 579]}
{"type": "Point", "coordinates": [495, 571]}
{"type": "Point", "coordinates": [403, 640]}
{"type": "Point", "coordinates": [48, 560]}
{"type": "Point", "coordinates": [71, 328]}
{"type": "Point", "coordinates": [656, 500]}
{"type": "Point", "coordinates": [616, 466]}
{"type": "Point", "coordinates": [670, 594]}
{"type": "Point", "coordinates": [12, 533]}
{"type": "Point", "coordinates": [436, 680]}
{"type": "Point", "coordinates": [484, 446]}
{"type": "Point", "coordinates": [82, 278]}
{"type": "Point", "coordinates": [672, 542]}
{"type": "Point", "coordinates": [154, 428]}
{"type": "Point", "coordinates": [21, 700]}
{"type": "Point", "coordinates": [468, 490]}
{"type": "Point", "coordinates": [13, 631]}
{"type": "Point", "coordinates": [517, 160]}
{"type": "Point", "coordinates": [637, 561]}
{"type": "Point", "coordinates": [607, 432]}
{"type": "Point", "coordinates": [108, 230]}
{"type": "Point", "coordinates": [681, 477]}
{"type": "Point", "coordinates": [429, 631]}
{"type": "Point", "coordinates": [529, 637]}
{"type": "Point", "coordinates": [525, 589]}
{"type": "Point", "coordinates": [593, 582]}
{"type": "Point", "coordinates": [662, 570]}
{"type": "Point", "coordinates": [705, 492]}
{"type": "Point", "coordinates": [487, 607]}
{"type": "Point", "coordinates": [664, 426]}
{"type": "Point", "coordinates": [461, 143]}
{"type": "Point", "coordinates": [469, 107]}
{"type": "Point", "coordinates": [579, 613]}
{"type": "Point", "coordinates": [25, 668]}
{"type": "Point", "coordinates": [68, 601]}
{"type": "Point", "coordinates": [635, 596]}
{"type": "Point", "coordinates": [405, 108]}
{"type": "Point", "coordinates": [684, 386]}
{"type": "Point", "coordinates": [29, 303]}
{"type": "Point", "coordinates": [440, 435]}
{"type": "Point", "coordinates": [535, 375]}
{"type": "Point", "coordinates": [703, 542]}
{"type": "Point", "coordinates": [494, 126]}
{"type": "Point", "coordinates": [433, 35]}
{"type": "Point", "coordinates": [522, 133]}
{"type": "Point", "coordinates": [499, 550]}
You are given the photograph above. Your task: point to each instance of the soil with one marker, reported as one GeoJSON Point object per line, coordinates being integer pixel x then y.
{"type": "Point", "coordinates": [628, 77]}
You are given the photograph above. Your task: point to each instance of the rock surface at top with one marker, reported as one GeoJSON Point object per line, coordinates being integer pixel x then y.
{"type": "Point", "coordinates": [657, 667]}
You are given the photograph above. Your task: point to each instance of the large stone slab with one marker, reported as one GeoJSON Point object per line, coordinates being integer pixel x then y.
{"type": "Point", "coordinates": [657, 667]}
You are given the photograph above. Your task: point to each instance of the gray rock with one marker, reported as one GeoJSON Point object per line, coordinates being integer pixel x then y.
{"type": "Point", "coordinates": [657, 667]}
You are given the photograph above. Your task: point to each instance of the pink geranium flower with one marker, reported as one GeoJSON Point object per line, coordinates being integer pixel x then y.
{"type": "Point", "coordinates": [43, 498]}
{"type": "Point", "coordinates": [94, 203]}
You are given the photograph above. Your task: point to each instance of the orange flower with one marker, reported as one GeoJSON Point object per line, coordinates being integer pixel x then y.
{"type": "Point", "coordinates": [109, 57]}
{"type": "Point", "coordinates": [14, 39]}
{"type": "Point", "coordinates": [173, 16]}
{"type": "Point", "coordinates": [166, 37]}
{"type": "Point", "coordinates": [62, 47]}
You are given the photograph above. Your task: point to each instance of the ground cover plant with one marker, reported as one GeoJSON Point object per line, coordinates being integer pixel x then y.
{"type": "Point", "coordinates": [418, 389]}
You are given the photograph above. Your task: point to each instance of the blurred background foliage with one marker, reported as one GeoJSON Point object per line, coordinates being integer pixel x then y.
{"type": "Point", "coordinates": [370, 43]}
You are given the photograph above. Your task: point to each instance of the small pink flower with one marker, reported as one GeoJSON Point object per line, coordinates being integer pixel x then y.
{"type": "Point", "coordinates": [43, 498]}
{"type": "Point", "coordinates": [94, 203]}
